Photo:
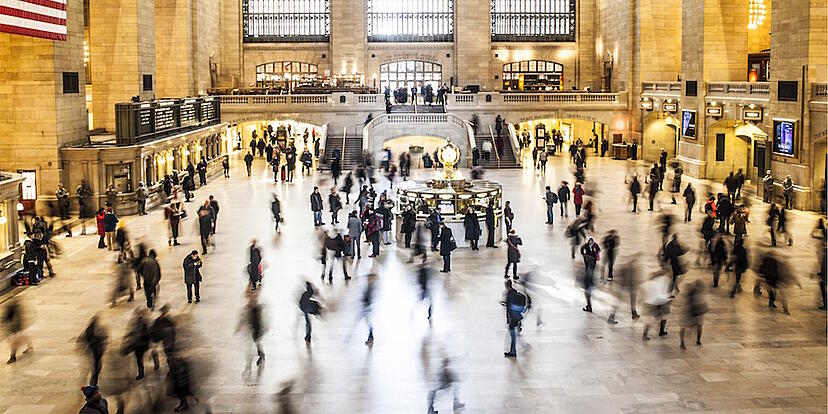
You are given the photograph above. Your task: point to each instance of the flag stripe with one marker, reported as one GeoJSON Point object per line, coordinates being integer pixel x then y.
{"type": "Point", "coordinates": [31, 16]}
{"type": "Point", "coordinates": [58, 5]}
{"type": "Point", "coordinates": [32, 24]}
{"type": "Point", "coordinates": [34, 8]}
{"type": "Point", "coordinates": [31, 32]}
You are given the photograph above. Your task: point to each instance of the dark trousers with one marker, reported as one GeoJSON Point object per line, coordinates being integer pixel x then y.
{"type": "Point", "coordinates": [142, 207]}
{"type": "Point", "coordinates": [577, 209]}
{"type": "Point", "coordinates": [407, 240]}
{"type": "Point", "coordinates": [564, 209]}
{"type": "Point", "coordinates": [550, 216]}
{"type": "Point", "coordinates": [447, 263]}
{"type": "Point", "coordinates": [736, 283]}
{"type": "Point", "coordinates": [822, 292]}
{"type": "Point", "coordinates": [149, 292]}
{"type": "Point", "coordinates": [610, 263]}
{"type": "Point", "coordinates": [490, 236]}
{"type": "Point", "coordinates": [355, 247]}
{"type": "Point", "coordinates": [652, 197]}
{"type": "Point", "coordinates": [139, 359]}
{"type": "Point", "coordinates": [248, 170]}
{"type": "Point", "coordinates": [226, 173]}
{"type": "Point", "coordinates": [435, 238]}
{"type": "Point", "coordinates": [174, 230]}
{"type": "Point", "coordinates": [375, 243]}
{"type": "Point", "coordinates": [513, 333]}
{"type": "Point", "coordinates": [307, 327]}
{"type": "Point", "coordinates": [724, 224]}
{"type": "Point", "coordinates": [514, 269]}
{"type": "Point", "coordinates": [202, 179]}
{"type": "Point", "coordinates": [205, 239]}
{"type": "Point", "coordinates": [473, 243]}
{"type": "Point", "coordinates": [96, 367]}
{"type": "Point", "coordinates": [190, 287]}
{"type": "Point", "coordinates": [773, 235]}
{"type": "Point", "coordinates": [689, 215]}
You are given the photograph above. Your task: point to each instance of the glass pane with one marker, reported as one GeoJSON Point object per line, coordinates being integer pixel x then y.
{"type": "Point", "coordinates": [524, 66]}
{"type": "Point", "coordinates": [409, 65]}
{"type": "Point", "coordinates": [428, 67]}
{"type": "Point", "coordinates": [418, 66]}
{"type": "Point", "coordinates": [393, 66]}
{"type": "Point", "coordinates": [533, 66]}
{"type": "Point", "coordinates": [542, 66]}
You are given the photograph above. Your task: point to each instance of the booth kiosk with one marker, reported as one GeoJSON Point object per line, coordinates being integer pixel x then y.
{"type": "Point", "coordinates": [454, 195]}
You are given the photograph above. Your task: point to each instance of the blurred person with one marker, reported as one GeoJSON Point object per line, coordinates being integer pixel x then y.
{"type": "Point", "coordinates": [180, 382]}
{"type": "Point", "coordinates": [409, 223]}
{"type": "Point", "coordinates": [123, 283]}
{"type": "Point", "coordinates": [517, 304]}
{"type": "Point", "coordinates": [610, 243]}
{"type": "Point", "coordinates": [205, 225]}
{"type": "Point", "coordinates": [253, 321]}
{"type": "Point", "coordinates": [626, 281]}
{"type": "Point", "coordinates": [707, 232]}
{"type": "Point", "coordinates": [447, 245]}
{"type": "Point", "coordinates": [347, 184]}
{"type": "Point", "coordinates": [214, 209]}
{"type": "Point", "coordinates": [276, 211]}
{"type": "Point", "coordinates": [509, 215]}
{"type": "Point", "coordinates": [491, 220]}
{"type": "Point", "coordinates": [367, 301]}
{"type": "Point", "coordinates": [446, 379]}
{"type": "Point", "coordinates": [335, 247]}
{"type": "Point", "coordinates": [689, 201]}
{"type": "Point", "coordinates": [819, 233]}
{"type": "Point", "coordinates": [135, 263]}
{"type": "Point", "coordinates": [718, 257]}
{"type": "Point", "coordinates": [739, 264]}
{"type": "Point", "coordinates": [672, 253]}
{"type": "Point", "coordinates": [94, 338]}
{"type": "Point", "coordinates": [578, 198]}
{"type": "Point", "coordinates": [655, 182]}
{"type": "Point", "coordinates": [15, 321]}
{"type": "Point", "coordinates": [335, 204]}
{"type": "Point", "coordinates": [739, 219]}
{"type": "Point", "coordinates": [773, 216]}
{"type": "Point", "coordinates": [778, 279]}
{"type": "Point", "coordinates": [423, 282]}
{"type": "Point", "coordinates": [150, 272]}
{"type": "Point", "coordinates": [694, 309]}
{"type": "Point", "coordinates": [123, 244]}
{"type": "Point", "coordinates": [192, 275]}
{"type": "Point", "coordinates": [163, 330]}
{"type": "Point", "coordinates": [433, 224]}
{"type": "Point", "coordinates": [254, 266]}
{"type": "Point", "coordinates": [656, 292]}
{"type": "Point", "coordinates": [591, 254]}
{"type": "Point", "coordinates": [512, 254]}
{"type": "Point", "coordinates": [420, 243]}
{"type": "Point", "coordinates": [782, 225]}
{"type": "Point", "coordinates": [137, 340]}
{"type": "Point", "coordinates": [309, 306]}
{"type": "Point", "coordinates": [724, 209]}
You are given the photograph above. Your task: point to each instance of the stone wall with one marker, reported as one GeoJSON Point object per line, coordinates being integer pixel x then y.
{"type": "Point", "coordinates": [173, 20]}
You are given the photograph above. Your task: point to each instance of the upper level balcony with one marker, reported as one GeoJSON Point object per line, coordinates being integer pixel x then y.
{"type": "Point", "coordinates": [747, 92]}
{"type": "Point", "coordinates": [661, 89]}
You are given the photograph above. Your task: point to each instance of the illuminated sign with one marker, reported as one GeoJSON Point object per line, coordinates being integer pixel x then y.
{"type": "Point", "coordinates": [714, 111]}
{"type": "Point", "coordinates": [752, 114]}
{"type": "Point", "coordinates": [670, 107]}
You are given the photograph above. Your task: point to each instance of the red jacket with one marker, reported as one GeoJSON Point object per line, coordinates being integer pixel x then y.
{"type": "Point", "coordinates": [578, 195]}
{"type": "Point", "coordinates": [99, 218]}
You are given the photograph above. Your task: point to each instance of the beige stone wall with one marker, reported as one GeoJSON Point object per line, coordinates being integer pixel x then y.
{"type": "Point", "coordinates": [472, 42]}
{"type": "Point", "coordinates": [122, 48]}
{"type": "Point", "coordinates": [174, 71]}
{"type": "Point", "coordinates": [348, 36]}
{"type": "Point", "coordinates": [205, 42]}
{"type": "Point", "coordinates": [230, 58]}
{"type": "Point", "coordinates": [36, 117]}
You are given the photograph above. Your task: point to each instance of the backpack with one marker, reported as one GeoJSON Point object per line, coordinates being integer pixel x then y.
{"type": "Point", "coordinates": [517, 310]}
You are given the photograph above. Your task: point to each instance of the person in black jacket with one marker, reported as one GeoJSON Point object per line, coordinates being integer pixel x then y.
{"type": "Point", "coordinates": [512, 254]}
{"type": "Point", "coordinates": [447, 244]}
{"type": "Point", "coordinates": [248, 162]}
{"type": "Point", "coordinates": [516, 304]}
{"type": "Point", "coordinates": [724, 208]}
{"type": "Point", "coordinates": [655, 183]}
{"type": "Point", "coordinates": [252, 318]}
{"type": "Point", "coordinates": [409, 223]}
{"type": "Point", "coordinates": [689, 201]}
{"type": "Point", "coordinates": [739, 263]}
{"type": "Point", "coordinates": [254, 268]}
{"type": "Point", "coordinates": [309, 307]}
{"type": "Point", "coordinates": [137, 340]}
{"type": "Point", "coordinates": [202, 172]}
{"type": "Point", "coordinates": [151, 274]}
{"type": "Point", "coordinates": [718, 257]}
{"type": "Point", "coordinates": [590, 252]}
{"type": "Point", "coordinates": [610, 242]}
{"type": "Point", "coordinates": [563, 198]}
{"type": "Point", "coordinates": [192, 275]}
{"type": "Point", "coordinates": [672, 253]}
{"type": "Point", "coordinates": [635, 190]}
{"type": "Point", "coordinates": [205, 225]}
{"type": "Point", "coordinates": [472, 228]}
{"type": "Point", "coordinates": [490, 226]}
{"type": "Point", "coordinates": [214, 205]}
{"type": "Point", "coordinates": [433, 224]}
{"type": "Point", "coordinates": [95, 338]}
{"type": "Point", "coordinates": [316, 207]}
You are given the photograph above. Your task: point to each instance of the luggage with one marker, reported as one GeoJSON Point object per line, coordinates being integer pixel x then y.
{"type": "Point", "coordinates": [284, 172]}
{"type": "Point", "coordinates": [24, 277]}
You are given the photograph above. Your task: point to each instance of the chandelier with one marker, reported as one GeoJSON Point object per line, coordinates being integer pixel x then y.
{"type": "Point", "coordinates": [756, 13]}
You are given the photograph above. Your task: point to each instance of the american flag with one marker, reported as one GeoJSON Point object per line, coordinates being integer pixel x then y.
{"type": "Point", "coordinates": [38, 18]}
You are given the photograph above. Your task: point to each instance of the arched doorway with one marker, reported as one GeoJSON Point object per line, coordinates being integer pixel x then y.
{"type": "Point", "coordinates": [409, 73]}
{"type": "Point", "coordinates": [286, 75]}
{"type": "Point", "coordinates": [660, 132]}
{"type": "Point", "coordinates": [733, 145]}
{"type": "Point", "coordinates": [532, 75]}
{"type": "Point", "coordinates": [416, 146]}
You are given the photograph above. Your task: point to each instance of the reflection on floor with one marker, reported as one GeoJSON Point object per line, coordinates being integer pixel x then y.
{"type": "Point", "coordinates": [753, 360]}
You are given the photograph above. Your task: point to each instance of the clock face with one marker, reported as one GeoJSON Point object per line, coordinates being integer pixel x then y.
{"type": "Point", "coordinates": [449, 154]}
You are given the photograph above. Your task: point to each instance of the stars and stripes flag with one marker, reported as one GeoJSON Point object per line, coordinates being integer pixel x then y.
{"type": "Point", "coordinates": [37, 18]}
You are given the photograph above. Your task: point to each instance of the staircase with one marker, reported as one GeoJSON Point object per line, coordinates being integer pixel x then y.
{"type": "Point", "coordinates": [507, 158]}
{"type": "Point", "coordinates": [351, 156]}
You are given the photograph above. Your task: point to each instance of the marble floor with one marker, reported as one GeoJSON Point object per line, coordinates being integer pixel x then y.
{"type": "Point", "coordinates": [753, 360]}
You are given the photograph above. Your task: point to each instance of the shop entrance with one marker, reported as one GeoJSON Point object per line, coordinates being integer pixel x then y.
{"type": "Point", "coordinates": [417, 147]}
{"type": "Point", "coordinates": [570, 129]}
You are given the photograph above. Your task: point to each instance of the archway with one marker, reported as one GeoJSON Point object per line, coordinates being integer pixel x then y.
{"type": "Point", "coordinates": [571, 129]}
{"type": "Point", "coordinates": [732, 145]}
{"type": "Point", "coordinates": [660, 131]}
{"type": "Point", "coordinates": [409, 73]}
{"type": "Point", "coordinates": [416, 146]}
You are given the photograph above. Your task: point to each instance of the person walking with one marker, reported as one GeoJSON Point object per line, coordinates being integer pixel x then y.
{"type": "Point", "coordinates": [591, 254]}
{"type": "Point", "coordinates": [354, 233]}
{"type": "Point", "coordinates": [254, 267]}
{"type": "Point", "coordinates": [137, 340]}
{"type": "Point", "coordinates": [335, 205]}
{"type": "Point", "coordinates": [253, 320]}
{"type": "Point", "coordinates": [551, 198]}
{"type": "Point", "coordinates": [773, 215]}
{"type": "Point", "coordinates": [447, 245]}
{"type": "Point", "coordinates": [110, 225]}
{"type": "Point", "coordinates": [150, 272]}
{"type": "Point", "coordinates": [205, 225]}
{"type": "Point", "coordinates": [141, 198]}
{"type": "Point", "coordinates": [610, 243]}
{"type": "Point", "coordinates": [578, 198]}
{"type": "Point", "coordinates": [316, 206]}
{"type": "Point", "coordinates": [718, 257]}
{"type": "Point", "coordinates": [490, 225]}
{"type": "Point", "coordinates": [694, 310]}
{"type": "Point", "coordinates": [782, 225]}
{"type": "Point", "coordinates": [95, 338]}
{"type": "Point", "coordinates": [731, 183]}
{"type": "Point", "coordinates": [563, 198]}
{"type": "Point", "coordinates": [512, 254]}
{"type": "Point", "coordinates": [673, 251]}
{"type": "Point", "coordinates": [409, 223]}
{"type": "Point", "coordinates": [248, 162]}
{"type": "Point", "coordinates": [309, 306]}
{"type": "Point", "coordinates": [214, 207]}
{"type": "Point", "coordinates": [542, 158]}
{"type": "Point", "coordinates": [689, 201]}
{"type": "Point", "coordinates": [654, 183]}
{"type": "Point", "coordinates": [372, 225]}
{"type": "Point", "coordinates": [433, 222]}
{"type": "Point", "coordinates": [174, 215]}
{"type": "Point", "coordinates": [739, 264]}
{"type": "Point", "coordinates": [516, 304]}
{"type": "Point", "coordinates": [192, 275]}
{"type": "Point", "coordinates": [471, 227]}
{"type": "Point", "coordinates": [15, 321]}
{"type": "Point", "coordinates": [635, 190]}
{"type": "Point", "coordinates": [657, 299]}
{"type": "Point", "coordinates": [347, 184]}
{"type": "Point", "coordinates": [446, 380]}
{"type": "Point", "coordinates": [276, 211]}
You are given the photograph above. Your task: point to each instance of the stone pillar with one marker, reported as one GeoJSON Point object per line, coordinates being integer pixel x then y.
{"type": "Point", "coordinates": [713, 48]}
{"type": "Point", "coordinates": [348, 45]}
{"type": "Point", "coordinates": [799, 52]}
{"type": "Point", "coordinates": [122, 49]}
{"type": "Point", "coordinates": [173, 59]}
{"type": "Point", "coordinates": [230, 39]}
{"type": "Point", "coordinates": [473, 44]}
{"type": "Point", "coordinates": [37, 116]}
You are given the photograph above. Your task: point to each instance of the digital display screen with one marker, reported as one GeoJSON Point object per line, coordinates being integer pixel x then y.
{"type": "Point", "coordinates": [688, 124]}
{"type": "Point", "coordinates": [446, 207]}
{"type": "Point", "coordinates": [783, 137]}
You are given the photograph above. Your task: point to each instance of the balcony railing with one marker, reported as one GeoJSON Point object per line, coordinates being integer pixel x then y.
{"type": "Point", "coordinates": [661, 88]}
{"type": "Point", "coordinates": [819, 91]}
{"type": "Point", "coordinates": [525, 98]}
{"type": "Point", "coordinates": [759, 90]}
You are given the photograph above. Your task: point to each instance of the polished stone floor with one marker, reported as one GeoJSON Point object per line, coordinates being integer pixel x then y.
{"type": "Point", "coordinates": [752, 361]}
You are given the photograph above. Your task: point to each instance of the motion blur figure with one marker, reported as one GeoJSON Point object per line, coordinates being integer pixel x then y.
{"type": "Point", "coordinates": [15, 321]}
{"type": "Point", "coordinates": [656, 292]}
{"type": "Point", "coordinates": [309, 306]}
{"type": "Point", "coordinates": [739, 264]}
{"type": "Point", "coordinates": [517, 304]}
{"type": "Point", "coordinates": [695, 307]}
{"type": "Point", "coordinates": [367, 301]}
{"type": "Point", "coordinates": [94, 338]}
{"type": "Point", "coordinates": [181, 382]}
{"type": "Point", "coordinates": [424, 272]}
{"type": "Point", "coordinates": [137, 340]}
{"type": "Point", "coordinates": [252, 320]}
{"type": "Point", "coordinates": [626, 280]}
{"type": "Point", "coordinates": [123, 282]}
{"type": "Point", "coordinates": [778, 279]}
{"type": "Point", "coordinates": [254, 267]}
{"type": "Point", "coordinates": [446, 379]}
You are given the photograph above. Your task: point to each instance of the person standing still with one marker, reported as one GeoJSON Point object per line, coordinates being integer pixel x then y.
{"type": "Point", "coordinates": [110, 225]}
{"type": "Point", "coordinates": [550, 198]}
{"type": "Point", "coordinates": [141, 197]}
{"type": "Point", "coordinates": [578, 198]}
{"type": "Point", "coordinates": [563, 198]}
{"type": "Point", "coordinates": [192, 275]}
{"type": "Point", "coordinates": [225, 164]}
{"type": "Point", "coordinates": [316, 207]}
{"type": "Point", "coordinates": [214, 206]}
{"type": "Point", "coordinates": [447, 245]}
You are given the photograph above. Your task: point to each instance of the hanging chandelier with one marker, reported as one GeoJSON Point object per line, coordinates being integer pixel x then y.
{"type": "Point", "coordinates": [756, 13]}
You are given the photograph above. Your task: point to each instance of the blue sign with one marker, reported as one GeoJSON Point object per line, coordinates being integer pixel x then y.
{"type": "Point", "coordinates": [783, 137]}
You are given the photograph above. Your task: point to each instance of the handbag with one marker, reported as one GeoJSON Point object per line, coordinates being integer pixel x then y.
{"type": "Point", "coordinates": [452, 244]}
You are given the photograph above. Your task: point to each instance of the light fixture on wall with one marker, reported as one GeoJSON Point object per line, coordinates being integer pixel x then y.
{"type": "Point", "coordinates": [756, 13]}
{"type": "Point", "coordinates": [2, 218]}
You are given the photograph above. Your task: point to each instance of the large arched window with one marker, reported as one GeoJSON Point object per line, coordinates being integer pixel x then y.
{"type": "Point", "coordinates": [285, 21]}
{"type": "Point", "coordinates": [410, 20]}
{"type": "Point", "coordinates": [532, 75]}
{"type": "Point", "coordinates": [533, 20]}
{"type": "Point", "coordinates": [286, 75]}
{"type": "Point", "coordinates": [408, 73]}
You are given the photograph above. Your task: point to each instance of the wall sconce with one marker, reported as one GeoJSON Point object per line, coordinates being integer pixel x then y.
{"type": "Point", "coordinates": [646, 104]}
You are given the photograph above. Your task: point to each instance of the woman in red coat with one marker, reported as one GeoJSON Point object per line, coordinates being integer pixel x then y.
{"type": "Point", "coordinates": [99, 218]}
{"type": "Point", "coordinates": [578, 198]}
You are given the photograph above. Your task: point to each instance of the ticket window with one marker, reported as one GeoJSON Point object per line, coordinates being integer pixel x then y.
{"type": "Point", "coordinates": [120, 175]}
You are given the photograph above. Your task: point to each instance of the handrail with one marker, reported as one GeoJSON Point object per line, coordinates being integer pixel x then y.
{"type": "Point", "coordinates": [515, 143]}
{"type": "Point", "coordinates": [323, 139]}
{"type": "Point", "coordinates": [472, 141]}
{"type": "Point", "coordinates": [342, 154]}
{"type": "Point", "coordinates": [497, 154]}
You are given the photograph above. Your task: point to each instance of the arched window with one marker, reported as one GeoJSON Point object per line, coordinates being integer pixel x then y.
{"type": "Point", "coordinates": [410, 20]}
{"type": "Point", "coordinates": [408, 73]}
{"type": "Point", "coordinates": [286, 75]}
{"type": "Point", "coordinates": [532, 75]}
{"type": "Point", "coordinates": [533, 20]}
{"type": "Point", "coordinates": [285, 21]}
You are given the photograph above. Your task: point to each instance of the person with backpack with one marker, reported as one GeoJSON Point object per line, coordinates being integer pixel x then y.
{"type": "Point", "coordinates": [447, 245]}
{"type": "Point", "coordinates": [551, 198]}
{"type": "Point", "coordinates": [512, 254]}
{"type": "Point", "coordinates": [516, 304]}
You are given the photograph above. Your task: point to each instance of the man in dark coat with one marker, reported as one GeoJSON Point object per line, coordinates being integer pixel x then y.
{"type": "Point", "coordinates": [151, 274]}
{"type": "Point", "coordinates": [724, 208]}
{"type": "Point", "coordinates": [563, 198]}
{"type": "Point", "coordinates": [248, 161]}
{"type": "Point", "coordinates": [447, 244]}
{"type": "Point", "coordinates": [672, 253]}
{"type": "Point", "coordinates": [205, 225]}
{"type": "Point", "coordinates": [316, 206]}
{"type": "Point", "coordinates": [137, 340]}
{"type": "Point", "coordinates": [732, 184]}
{"type": "Point", "coordinates": [192, 275]}
{"type": "Point", "coordinates": [655, 183]}
{"type": "Point", "coordinates": [202, 171]}
{"type": "Point", "coordinates": [409, 223]}
{"type": "Point", "coordinates": [95, 403]}
{"type": "Point", "coordinates": [254, 268]}
{"type": "Point", "coordinates": [214, 206]}
{"type": "Point", "coordinates": [490, 226]}
{"type": "Point", "coordinates": [433, 224]}
{"type": "Point", "coordinates": [472, 227]}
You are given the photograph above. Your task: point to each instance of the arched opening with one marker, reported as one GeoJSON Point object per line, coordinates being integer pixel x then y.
{"type": "Point", "coordinates": [733, 145]}
{"type": "Point", "coordinates": [532, 75]}
{"type": "Point", "coordinates": [409, 73]}
{"type": "Point", "coordinates": [660, 132]}
{"type": "Point", "coordinates": [416, 146]}
{"type": "Point", "coordinates": [286, 75]}
{"type": "Point", "coordinates": [570, 129]}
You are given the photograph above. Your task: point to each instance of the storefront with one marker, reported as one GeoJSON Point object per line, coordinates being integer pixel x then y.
{"type": "Point", "coordinates": [10, 244]}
